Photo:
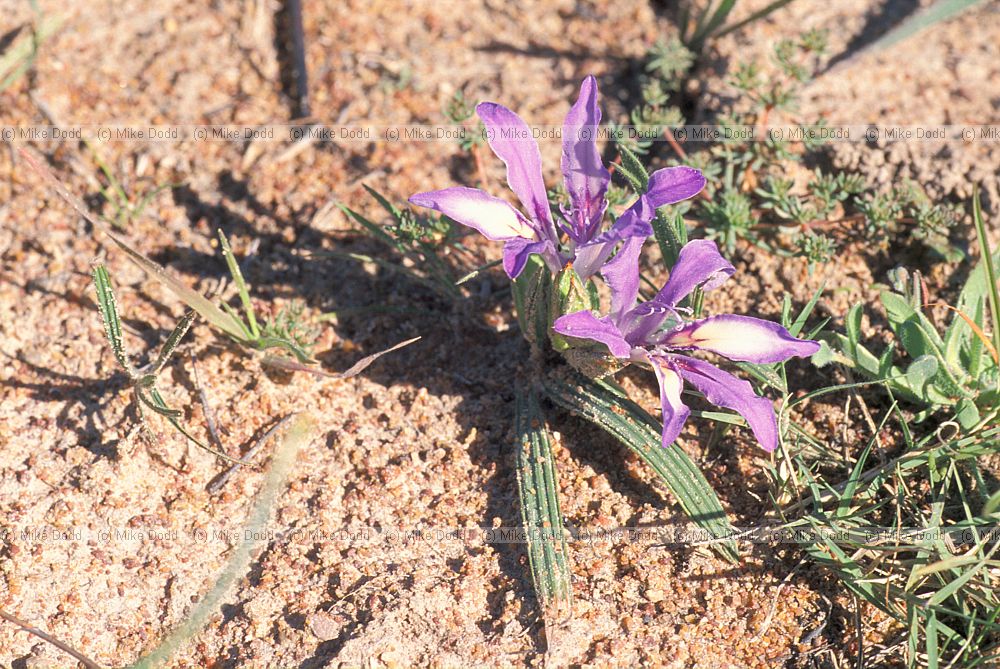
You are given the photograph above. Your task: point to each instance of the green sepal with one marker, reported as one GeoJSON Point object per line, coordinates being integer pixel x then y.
{"type": "Point", "coordinates": [531, 301]}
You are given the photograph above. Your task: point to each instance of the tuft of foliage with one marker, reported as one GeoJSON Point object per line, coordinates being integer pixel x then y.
{"type": "Point", "coordinates": [750, 196]}
{"type": "Point", "coordinates": [460, 111]}
{"type": "Point", "coordinates": [957, 368]}
{"type": "Point", "coordinates": [429, 248]}
{"type": "Point", "coordinates": [710, 21]}
{"type": "Point", "coordinates": [143, 379]}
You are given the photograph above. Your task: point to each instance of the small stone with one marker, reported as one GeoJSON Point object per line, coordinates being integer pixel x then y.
{"type": "Point", "coordinates": [324, 625]}
{"type": "Point", "coordinates": [653, 595]}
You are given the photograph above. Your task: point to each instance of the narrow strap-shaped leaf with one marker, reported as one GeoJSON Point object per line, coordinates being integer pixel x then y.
{"type": "Point", "coordinates": [156, 402]}
{"type": "Point", "coordinates": [756, 16]}
{"type": "Point", "coordinates": [109, 314]}
{"type": "Point", "coordinates": [241, 284]}
{"type": "Point", "coordinates": [635, 428]}
{"type": "Point", "coordinates": [988, 267]}
{"type": "Point", "coordinates": [548, 553]}
{"type": "Point", "coordinates": [173, 340]}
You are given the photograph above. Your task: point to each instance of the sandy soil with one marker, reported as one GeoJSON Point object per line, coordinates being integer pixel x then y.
{"type": "Point", "coordinates": [422, 438]}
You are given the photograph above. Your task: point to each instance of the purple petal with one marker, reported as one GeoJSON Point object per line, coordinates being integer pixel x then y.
{"type": "Point", "coordinates": [491, 216]}
{"type": "Point", "coordinates": [511, 141]}
{"type": "Point", "coordinates": [675, 412]}
{"type": "Point", "coordinates": [699, 263]}
{"type": "Point", "coordinates": [585, 325]}
{"type": "Point", "coordinates": [725, 390]}
{"type": "Point", "coordinates": [621, 274]}
{"type": "Point", "coordinates": [630, 225]}
{"type": "Point", "coordinates": [586, 177]}
{"type": "Point", "coordinates": [516, 253]}
{"type": "Point", "coordinates": [740, 338]}
{"type": "Point", "coordinates": [673, 184]}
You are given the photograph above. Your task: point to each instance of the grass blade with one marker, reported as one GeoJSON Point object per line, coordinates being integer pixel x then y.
{"type": "Point", "coordinates": [990, 268]}
{"type": "Point", "coordinates": [241, 284]}
{"type": "Point", "coordinates": [195, 300]}
{"type": "Point", "coordinates": [548, 553]}
{"type": "Point", "coordinates": [632, 426]}
{"type": "Point", "coordinates": [756, 16]}
{"type": "Point", "coordinates": [299, 434]}
{"type": "Point", "coordinates": [942, 10]}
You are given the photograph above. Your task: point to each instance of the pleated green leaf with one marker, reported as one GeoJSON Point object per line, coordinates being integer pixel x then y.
{"type": "Point", "coordinates": [635, 428]}
{"type": "Point", "coordinates": [548, 553]}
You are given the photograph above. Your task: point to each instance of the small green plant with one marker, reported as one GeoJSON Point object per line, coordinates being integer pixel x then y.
{"type": "Point", "coordinates": [885, 214]}
{"type": "Point", "coordinates": [430, 250]}
{"type": "Point", "coordinates": [913, 536]}
{"type": "Point", "coordinates": [143, 379]}
{"type": "Point", "coordinates": [124, 210]}
{"type": "Point", "coordinates": [698, 26]}
{"type": "Point", "coordinates": [461, 111]}
{"type": "Point", "coordinates": [749, 197]}
{"type": "Point", "coordinates": [958, 367]}
{"type": "Point", "coordinates": [729, 218]}
{"type": "Point", "coordinates": [282, 333]}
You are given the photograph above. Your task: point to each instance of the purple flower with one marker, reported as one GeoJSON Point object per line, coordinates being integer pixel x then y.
{"type": "Point", "coordinates": [654, 332]}
{"type": "Point", "coordinates": [586, 178]}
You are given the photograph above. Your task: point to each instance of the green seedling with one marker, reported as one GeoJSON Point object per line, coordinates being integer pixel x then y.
{"type": "Point", "coordinates": [125, 211]}
{"type": "Point", "coordinates": [430, 251]}
{"type": "Point", "coordinates": [143, 379]}
{"type": "Point", "coordinates": [227, 320]}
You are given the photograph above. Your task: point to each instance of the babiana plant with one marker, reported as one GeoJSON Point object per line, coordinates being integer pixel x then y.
{"type": "Point", "coordinates": [554, 257]}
